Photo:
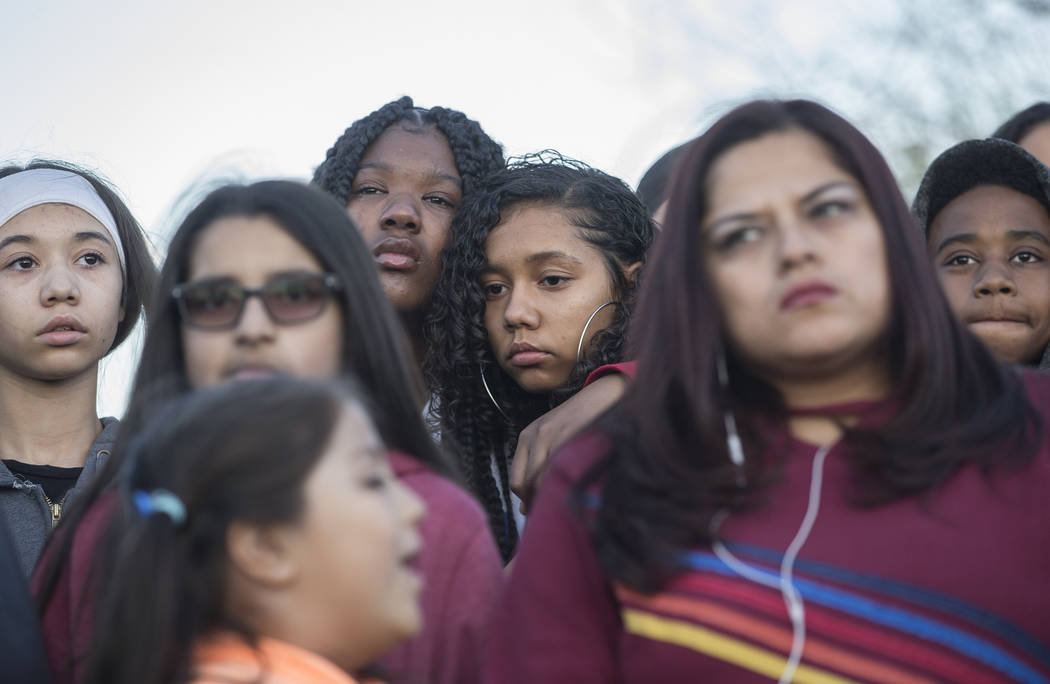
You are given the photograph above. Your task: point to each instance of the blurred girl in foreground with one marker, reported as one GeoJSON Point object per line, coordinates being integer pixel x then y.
{"type": "Point", "coordinates": [260, 536]}
{"type": "Point", "coordinates": [817, 475]}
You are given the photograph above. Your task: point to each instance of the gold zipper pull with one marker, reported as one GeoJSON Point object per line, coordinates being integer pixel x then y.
{"type": "Point", "coordinates": [56, 513]}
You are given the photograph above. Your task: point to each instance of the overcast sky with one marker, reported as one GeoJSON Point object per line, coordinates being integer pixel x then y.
{"type": "Point", "coordinates": [153, 95]}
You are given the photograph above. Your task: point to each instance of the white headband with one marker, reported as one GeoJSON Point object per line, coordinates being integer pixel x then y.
{"type": "Point", "coordinates": [34, 187]}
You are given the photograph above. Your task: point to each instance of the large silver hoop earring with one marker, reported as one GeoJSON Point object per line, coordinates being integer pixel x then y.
{"type": "Point", "coordinates": [485, 384]}
{"type": "Point", "coordinates": [733, 443]}
{"type": "Point", "coordinates": [579, 347]}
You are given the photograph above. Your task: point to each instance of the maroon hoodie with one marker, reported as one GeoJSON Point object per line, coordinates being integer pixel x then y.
{"type": "Point", "coordinates": [953, 588]}
{"type": "Point", "coordinates": [462, 577]}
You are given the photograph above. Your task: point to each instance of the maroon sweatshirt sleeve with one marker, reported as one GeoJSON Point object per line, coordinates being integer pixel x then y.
{"type": "Point", "coordinates": [557, 620]}
{"type": "Point", "coordinates": [628, 368]}
{"type": "Point", "coordinates": [462, 577]}
{"type": "Point", "coordinates": [473, 590]}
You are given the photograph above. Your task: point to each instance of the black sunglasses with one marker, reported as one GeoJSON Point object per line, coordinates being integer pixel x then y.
{"type": "Point", "coordinates": [218, 303]}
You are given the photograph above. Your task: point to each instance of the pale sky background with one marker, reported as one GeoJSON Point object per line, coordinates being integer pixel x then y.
{"type": "Point", "coordinates": [155, 95]}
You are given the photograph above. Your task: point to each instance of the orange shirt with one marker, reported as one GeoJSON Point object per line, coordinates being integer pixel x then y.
{"type": "Point", "coordinates": [227, 658]}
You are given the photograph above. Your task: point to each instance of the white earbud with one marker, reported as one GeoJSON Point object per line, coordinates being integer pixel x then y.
{"type": "Point", "coordinates": [792, 599]}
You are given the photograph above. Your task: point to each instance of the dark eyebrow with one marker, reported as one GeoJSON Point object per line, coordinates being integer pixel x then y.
{"type": "Point", "coordinates": [79, 237]}
{"type": "Point", "coordinates": [1028, 234]}
{"type": "Point", "coordinates": [824, 188]}
{"type": "Point", "coordinates": [742, 216]}
{"type": "Point", "coordinates": [92, 235]}
{"type": "Point", "coordinates": [532, 259]}
{"type": "Point", "coordinates": [965, 238]}
{"type": "Point", "coordinates": [15, 238]}
{"type": "Point", "coordinates": [225, 278]}
{"type": "Point", "coordinates": [431, 175]}
{"type": "Point", "coordinates": [808, 197]}
{"type": "Point", "coordinates": [544, 256]}
{"type": "Point", "coordinates": [437, 175]}
{"type": "Point", "coordinates": [291, 273]}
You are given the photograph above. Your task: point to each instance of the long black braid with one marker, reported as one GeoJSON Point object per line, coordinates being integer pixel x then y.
{"type": "Point", "coordinates": [610, 217]}
{"type": "Point", "coordinates": [475, 153]}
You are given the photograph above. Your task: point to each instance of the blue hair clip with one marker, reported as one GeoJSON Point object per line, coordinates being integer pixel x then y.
{"type": "Point", "coordinates": [159, 501]}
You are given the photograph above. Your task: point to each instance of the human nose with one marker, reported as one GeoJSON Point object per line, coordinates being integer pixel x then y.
{"type": "Point", "coordinates": [401, 213]}
{"type": "Point", "coordinates": [60, 285]}
{"type": "Point", "coordinates": [410, 504]}
{"type": "Point", "coordinates": [255, 325]}
{"type": "Point", "coordinates": [994, 279]}
{"type": "Point", "coordinates": [521, 311]}
{"type": "Point", "coordinates": [795, 244]}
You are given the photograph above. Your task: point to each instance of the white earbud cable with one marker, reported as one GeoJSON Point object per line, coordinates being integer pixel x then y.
{"type": "Point", "coordinates": [792, 600]}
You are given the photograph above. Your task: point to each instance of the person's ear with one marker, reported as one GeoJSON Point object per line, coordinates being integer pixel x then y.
{"type": "Point", "coordinates": [264, 554]}
{"type": "Point", "coordinates": [632, 272]}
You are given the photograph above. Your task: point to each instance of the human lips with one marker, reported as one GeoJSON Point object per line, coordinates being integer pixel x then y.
{"type": "Point", "coordinates": [396, 254]}
{"type": "Point", "coordinates": [250, 371]}
{"type": "Point", "coordinates": [62, 331]}
{"type": "Point", "coordinates": [999, 319]}
{"type": "Point", "coordinates": [523, 355]}
{"type": "Point", "coordinates": [807, 294]}
{"type": "Point", "coordinates": [410, 558]}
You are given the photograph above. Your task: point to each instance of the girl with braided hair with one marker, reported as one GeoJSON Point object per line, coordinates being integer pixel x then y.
{"type": "Point", "coordinates": [402, 173]}
{"type": "Point", "coordinates": [536, 293]}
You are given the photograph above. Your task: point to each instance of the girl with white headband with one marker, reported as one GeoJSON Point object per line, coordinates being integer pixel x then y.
{"type": "Point", "coordinates": [536, 292]}
{"type": "Point", "coordinates": [74, 273]}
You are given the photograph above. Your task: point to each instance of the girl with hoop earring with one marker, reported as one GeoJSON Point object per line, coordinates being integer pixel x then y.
{"type": "Point", "coordinates": [536, 293]}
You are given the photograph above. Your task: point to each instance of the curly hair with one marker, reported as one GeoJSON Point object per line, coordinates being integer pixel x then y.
{"type": "Point", "coordinates": [608, 216]}
{"type": "Point", "coordinates": [475, 153]}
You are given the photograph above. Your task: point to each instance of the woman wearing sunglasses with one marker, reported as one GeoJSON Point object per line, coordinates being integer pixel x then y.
{"type": "Point", "coordinates": [74, 273]}
{"type": "Point", "coordinates": [272, 278]}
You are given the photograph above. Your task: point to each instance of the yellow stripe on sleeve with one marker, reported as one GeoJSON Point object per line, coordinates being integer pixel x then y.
{"type": "Point", "coordinates": [739, 653]}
